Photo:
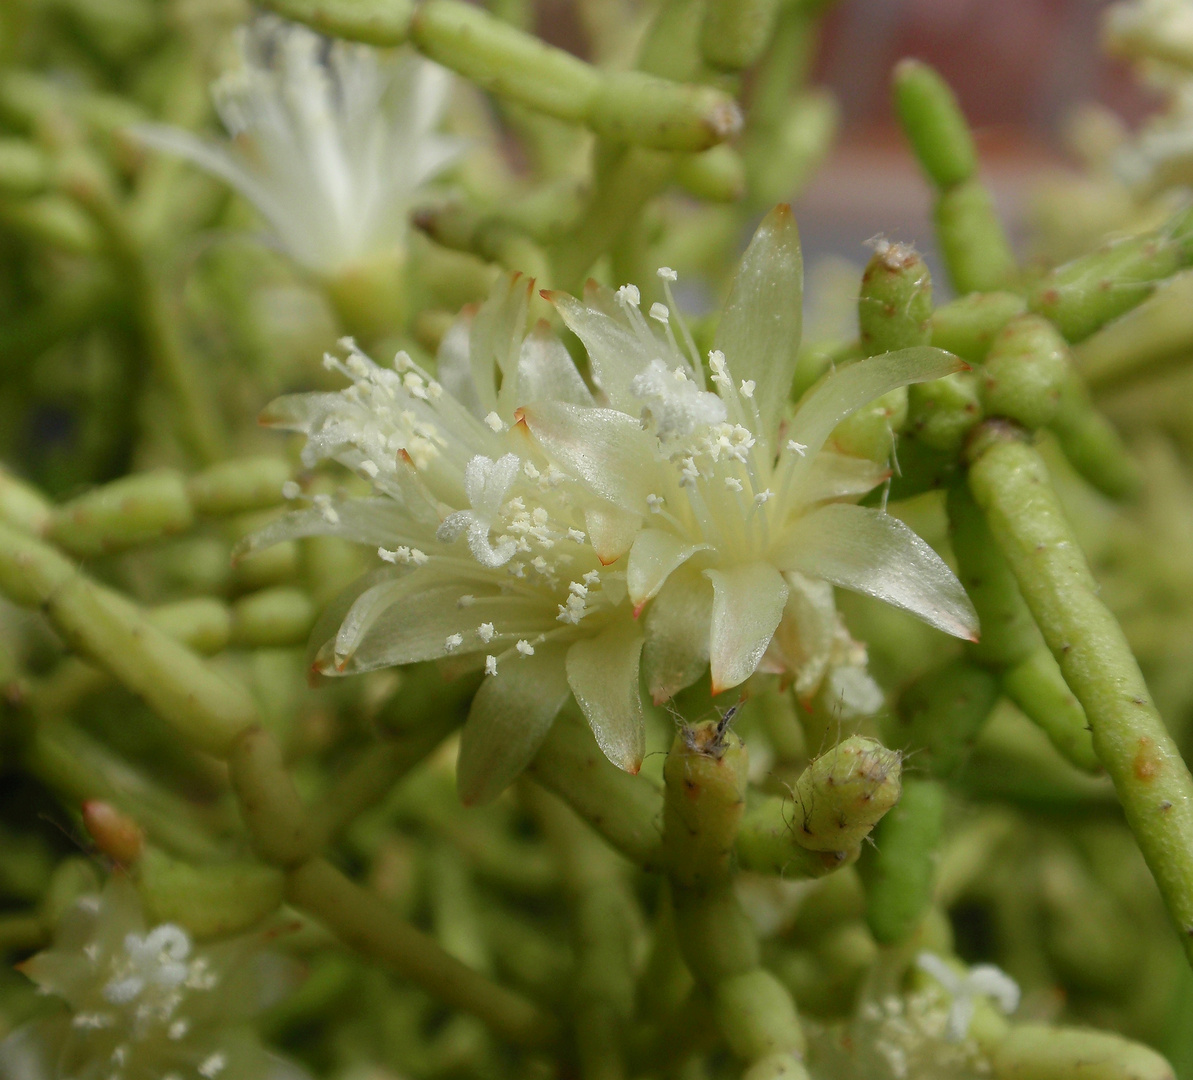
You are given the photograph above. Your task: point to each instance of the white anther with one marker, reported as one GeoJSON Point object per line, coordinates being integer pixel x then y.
{"type": "Point", "coordinates": [494, 422]}
{"type": "Point", "coordinates": [485, 632]}
{"type": "Point", "coordinates": [629, 294]}
{"type": "Point", "coordinates": [747, 388]}
{"type": "Point", "coordinates": [660, 312]}
{"type": "Point", "coordinates": [525, 648]}
{"type": "Point", "coordinates": [799, 447]}
{"type": "Point", "coordinates": [490, 665]}
{"type": "Point", "coordinates": [733, 483]}
{"type": "Point", "coordinates": [667, 274]}
{"type": "Point", "coordinates": [655, 502]}
{"type": "Point", "coordinates": [291, 490]}
{"type": "Point", "coordinates": [453, 642]}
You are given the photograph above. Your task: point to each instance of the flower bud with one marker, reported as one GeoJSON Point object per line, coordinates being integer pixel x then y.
{"type": "Point", "coordinates": [114, 833]}
{"type": "Point", "coordinates": [895, 302]}
{"type": "Point", "coordinates": [843, 793]}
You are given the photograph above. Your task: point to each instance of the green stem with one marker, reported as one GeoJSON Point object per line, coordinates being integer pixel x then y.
{"type": "Point", "coordinates": [1010, 483]}
{"type": "Point", "coordinates": [366, 923]}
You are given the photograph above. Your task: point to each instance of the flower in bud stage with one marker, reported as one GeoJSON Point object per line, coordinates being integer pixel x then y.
{"type": "Point", "coordinates": [146, 1002]}
{"type": "Point", "coordinates": [719, 497]}
{"type": "Point", "coordinates": [330, 140]}
{"type": "Point", "coordinates": [489, 553]}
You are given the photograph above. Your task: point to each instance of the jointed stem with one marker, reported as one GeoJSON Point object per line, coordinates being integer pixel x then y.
{"type": "Point", "coordinates": [1010, 483]}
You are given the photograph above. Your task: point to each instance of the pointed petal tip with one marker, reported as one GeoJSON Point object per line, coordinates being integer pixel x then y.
{"type": "Point", "coordinates": [638, 611]}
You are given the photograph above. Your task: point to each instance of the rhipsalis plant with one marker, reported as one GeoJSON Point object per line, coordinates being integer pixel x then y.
{"type": "Point", "coordinates": [607, 682]}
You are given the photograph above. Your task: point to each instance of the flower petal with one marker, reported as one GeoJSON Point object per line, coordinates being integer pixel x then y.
{"type": "Point", "coordinates": [655, 554]}
{"type": "Point", "coordinates": [495, 343]}
{"type": "Point", "coordinates": [848, 388]}
{"type": "Point", "coordinates": [759, 331]}
{"type": "Point", "coordinates": [748, 603]}
{"type": "Point", "coordinates": [603, 673]}
{"type": "Point", "coordinates": [509, 719]}
{"type": "Point", "coordinates": [834, 476]}
{"type": "Point", "coordinates": [676, 626]}
{"type": "Point", "coordinates": [376, 522]}
{"type": "Point", "coordinates": [611, 531]}
{"type": "Point", "coordinates": [604, 448]}
{"type": "Point", "coordinates": [546, 372]}
{"type": "Point", "coordinates": [614, 351]}
{"type": "Point", "coordinates": [874, 553]}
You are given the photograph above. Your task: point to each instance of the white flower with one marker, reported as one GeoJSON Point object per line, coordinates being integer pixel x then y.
{"type": "Point", "coordinates": [729, 511]}
{"type": "Point", "coordinates": [511, 573]}
{"type": "Point", "coordinates": [330, 140]}
{"type": "Point", "coordinates": [147, 1001]}
{"type": "Point", "coordinates": [984, 980]}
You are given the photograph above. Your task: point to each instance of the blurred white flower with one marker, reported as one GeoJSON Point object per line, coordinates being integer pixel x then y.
{"type": "Point", "coordinates": [331, 140]}
{"type": "Point", "coordinates": [730, 513]}
{"type": "Point", "coordinates": [984, 980]}
{"type": "Point", "coordinates": [147, 1002]}
{"type": "Point", "coordinates": [492, 552]}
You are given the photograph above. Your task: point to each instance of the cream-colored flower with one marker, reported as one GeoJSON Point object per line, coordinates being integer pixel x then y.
{"type": "Point", "coordinates": [330, 140]}
{"type": "Point", "coordinates": [488, 549]}
{"type": "Point", "coordinates": [147, 1002]}
{"type": "Point", "coordinates": [724, 509]}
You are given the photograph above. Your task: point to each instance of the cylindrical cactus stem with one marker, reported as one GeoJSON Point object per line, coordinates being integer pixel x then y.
{"type": "Point", "coordinates": [239, 486]}
{"type": "Point", "coordinates": [973, 243]}
{"type": "Point", "coordinates": [269, 803]}
{"type": "Point", "coordinates": [1037, 686]}
{"type": "Point", "coordinates": [942, 712]}
{"type": "Point", "coordinates": [1010, 483]}
{"type": "Point", "coordinates": [1091, 443]}
{"type": "Point", "coordinates": [766, 844]}
{"type": "Point", "coordinates": [1025, 371]}
{"type": "Point", "coordinates": [972, 240]}
{"type": "Point", "coordinates": [900, 870]}
{"type": "Point", "coordinates": [703, 802]}
{"type": "Point", "coordinates": [895, 302]}
{"type": "Point", "coordinates": [967, 326]}
{"type": "Point", "coordinates": [1044, 1052]}
{"type": "Point", "coordinates": [941, 413]}
{"type": "Point", "coordinates": [735, 32]}
{"type": "Point", "coordinates": [124, 513]}
{"type": "Point", "coordinates": [1086, 293]}
{"type": "Point", "coordinates": [842, 794]}
{"type": "Point", "coordinates": [934, 123]}
{"type": "Point", "coordinates": [1011, 643]}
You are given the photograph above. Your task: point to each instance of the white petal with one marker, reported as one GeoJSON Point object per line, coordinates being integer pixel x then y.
{"type": "Point", "coordinates": [655, 554]}
{"type": "Point", "coordinates": [610, 531]}
{"type": "Point", "coordinates": [376, 522]}
{"type": "Point", "coordinates": [496, 342]}
{"type": "Point", "coordinates": [995, 983]}
{"type": "Point", "coordinates": [614, 351]}
{"type": "Point", "coordinates": [603, 673]}
{"type": "Point", "coordinates": [834, 476]}
{"type": "Point", "coordinates": [804, 638]}
{"type": "Point", "coordinates": [546, 371]}
{"type": "Point", "coordinates": [748, 603]}
{"type": "Point", "coordinates": [509, 719]}
{"type": "Point", "coordinates": [606, 449]}
{"type": "Point", "coordinates": [454, 367]}
{"type": "Point", "coordinates": [848, 388]}
{"type": "Point", "coordinates": [940, 970]}
{"type": "Point", "coordinates": [677, 626]}
{"type": "Point", "coordinates": [759, 332]}
{"type": "Point", "coordinates": [874, 553]}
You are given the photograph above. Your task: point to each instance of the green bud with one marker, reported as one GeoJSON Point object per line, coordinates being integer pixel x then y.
{"type": "Point", "coordinates": [279, 616]}
{"type": "Point", "coordinates": [735, 32]}
{"type": "Point", "coordinates": [870, 431]}
{"type": "Point", "coordinates": [704, 798]}
{"type": "Point", "coordinates": [932, 120]}
{"type": "Point", "coordinates": [124, 513]}
{"type": "Point", "coordinates": [636, 107]}
{"type": "Point", "coordinates": [1044, 1052]}
{"type": "Point", "coordinates": [895, 302]}
{"type": "Point", "coordinates": [843, 793]}
{"type": "Point", "coordinates": [973, 243]}
{"type": "Point", "coordinates": [1083, 295]}
{"type": "Point", "coordinates": [717, 174]}
{"type": "Point", "coordinates": [758, 1016]}
{"type": "Point", "coordinates": [54, 220]}
{"type": "Point", "coordinates": [211, 900]}
{"type": "Point", "coordinates": [780, 159]}
{"type": "Point", "coordinates": [900, 870]}
{"type": "Point", "coordinates": [239, 486]}
{"type": "Point", "coordinates": [941, 413]}
{"type": "Point", "coordinates": [942, 712]}
{"type": "Point", "coordinates": [1025, 370]}
{"type": "Point", "coordinates": [967, 326]}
